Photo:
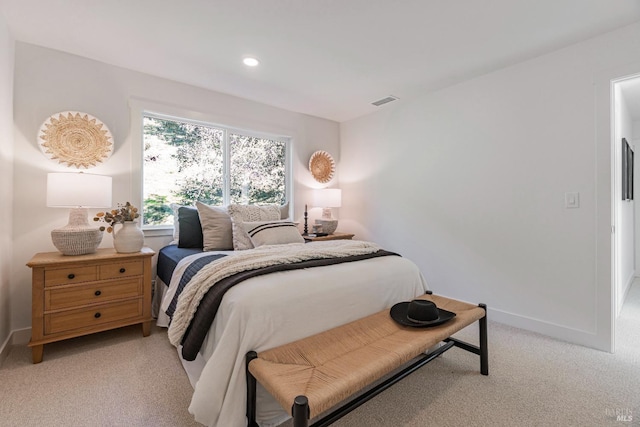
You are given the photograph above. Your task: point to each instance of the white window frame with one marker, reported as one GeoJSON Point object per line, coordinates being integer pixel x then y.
{"type": "Point", "coordinates": [143, 108]}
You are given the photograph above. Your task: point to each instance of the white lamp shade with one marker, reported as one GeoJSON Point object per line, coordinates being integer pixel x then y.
{"type": "Point", "coordinates": [73, 190]}
{"type": "Point", "coordinates": [327, 198]}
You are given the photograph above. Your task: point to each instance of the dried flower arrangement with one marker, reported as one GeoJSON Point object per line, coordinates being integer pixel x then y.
{"type": "Point", "coordinates": [126, 212]}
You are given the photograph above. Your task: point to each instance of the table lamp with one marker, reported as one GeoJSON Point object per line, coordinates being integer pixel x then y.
{"type": "Point", "coordinates": [327, 198]}
{"type": "Point", "coordinates": [77, 191]}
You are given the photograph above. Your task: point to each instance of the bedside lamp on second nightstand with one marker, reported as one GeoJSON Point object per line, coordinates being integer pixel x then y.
{"type": "Point", "coordinates": [328, 198]}
{"type": "Point", "coordinates": [78, 191]}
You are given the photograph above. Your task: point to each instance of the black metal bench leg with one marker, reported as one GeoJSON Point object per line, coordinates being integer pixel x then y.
{"type": "Point", "coordinates": [300, 411]}
{"type": "Point", "coordinates": [251, 392]}
{"type": "Point", "coordinates": [484, 347]}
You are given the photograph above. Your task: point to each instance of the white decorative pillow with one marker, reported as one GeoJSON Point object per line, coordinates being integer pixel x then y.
{"type": "Point", "coordinates": [217, 232]}
{"type": "Point", "coordinates": [249, 213]}
{"type": "Point", "coordinates": [284, 211]}
{"type": "Point", "coordinates": [272, 232]}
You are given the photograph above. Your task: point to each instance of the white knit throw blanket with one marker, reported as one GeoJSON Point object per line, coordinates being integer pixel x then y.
{"type": "Point", "coordinates": [263, 256]}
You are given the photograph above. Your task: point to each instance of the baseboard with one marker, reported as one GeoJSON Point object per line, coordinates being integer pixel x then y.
{"type": "Point", "coordinates": [626, 292]}
{"type": "Point", "coordinates": [552, 330]}
{"type": "Point", "coordinates": [17, 337]}
{"type": "Point", "coordinates": [4, 349]}
{"type": "Point", "coordinates": [21, 336]}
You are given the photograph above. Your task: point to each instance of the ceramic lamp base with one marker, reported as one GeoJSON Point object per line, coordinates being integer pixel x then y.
{"type": "Point", "coordinates": [328, 225]}
{"type": "Point", "coordinates": [77, 237]}
{"type": "Point", "coordinates": [76, 242]}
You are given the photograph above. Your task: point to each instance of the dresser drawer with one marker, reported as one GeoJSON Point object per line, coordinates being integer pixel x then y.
{"type": "Point", "coordinates": [67, 276]}
{"type": "Point", "coordinates": [91, 316]}
{"type": "Point", "coordinates": [91, 293]}
{"type": "Point", "coordinates": [121, 269]}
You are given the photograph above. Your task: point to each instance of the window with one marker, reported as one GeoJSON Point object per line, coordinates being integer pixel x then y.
{"type": "Point", "coordinates": [186, 161]}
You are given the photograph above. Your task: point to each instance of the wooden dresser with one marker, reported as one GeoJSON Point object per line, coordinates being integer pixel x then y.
{"type": "Point", "coordinates": [80, 295]}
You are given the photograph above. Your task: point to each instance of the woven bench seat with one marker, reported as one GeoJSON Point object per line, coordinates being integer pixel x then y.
{"type": "Point", "coordinates": [323, 370]}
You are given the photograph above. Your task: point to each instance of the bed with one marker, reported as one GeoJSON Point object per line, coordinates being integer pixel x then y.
{"type": "Point", "coordinates": [349, 280]}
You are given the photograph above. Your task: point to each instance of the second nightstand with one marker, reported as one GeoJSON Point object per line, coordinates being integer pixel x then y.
{"type": "Point", "coordinates": [334, 236]}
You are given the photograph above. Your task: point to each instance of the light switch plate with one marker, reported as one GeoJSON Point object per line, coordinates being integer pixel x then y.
{"type": "Point", "coordinates": [572, 200]}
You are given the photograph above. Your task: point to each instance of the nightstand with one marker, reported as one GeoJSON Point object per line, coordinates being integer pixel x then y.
{"type": "Point", "coordinates": [81, 295]}
{"type": "Point", "coordinates": [334, 236]}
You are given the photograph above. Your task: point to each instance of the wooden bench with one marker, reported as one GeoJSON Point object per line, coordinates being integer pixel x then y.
{"type": "Point", "coordinates": [311, 376]}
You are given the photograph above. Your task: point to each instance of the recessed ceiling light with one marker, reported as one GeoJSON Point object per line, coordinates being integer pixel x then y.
{"type": "Point", "coordinates": [250, 62]}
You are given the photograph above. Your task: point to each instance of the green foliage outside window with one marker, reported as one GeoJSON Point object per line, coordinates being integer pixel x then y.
{"type": "Point", "coordinates": [156, 209]}
{"type": "Point", "coordinates": [257, 170]}
{"type": "Point", "coordinates": [184, 163]}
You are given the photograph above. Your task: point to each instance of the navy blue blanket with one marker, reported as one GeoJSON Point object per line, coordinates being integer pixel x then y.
{"type": "Point", "coordinates": [191, 270]}
{"type": "Point", "coordinates": [168, 259]}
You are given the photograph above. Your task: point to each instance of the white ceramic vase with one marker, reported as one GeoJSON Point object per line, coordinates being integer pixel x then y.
{"type": "Point", "coordinates": [129, 238]}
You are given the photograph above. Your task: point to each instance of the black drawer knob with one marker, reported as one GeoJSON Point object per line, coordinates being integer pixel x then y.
{"type": "Point", "coordinates": [71, 276]}
{"type": "Point", "coordinates": [122, 270]}
{"type": "Point", "coordinates": [97, 293]}
{"type": "Point", "coordinates": [97, 315]}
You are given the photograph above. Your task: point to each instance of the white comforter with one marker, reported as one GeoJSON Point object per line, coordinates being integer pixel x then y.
{"type": "Point", "coordinates": [268, 311]}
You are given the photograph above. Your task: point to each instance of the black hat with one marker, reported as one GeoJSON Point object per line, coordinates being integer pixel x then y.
{"type": "Point", "coordinates": [420, 313]}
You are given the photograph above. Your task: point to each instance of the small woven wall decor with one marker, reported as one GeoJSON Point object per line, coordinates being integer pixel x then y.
{"type": "Point", "coordinates": [322, 166]}
{"type": "Point", "coordinates": [77, 139]}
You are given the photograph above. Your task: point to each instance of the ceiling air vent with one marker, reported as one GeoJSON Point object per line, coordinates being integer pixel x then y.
{"type": "Point", "coordinates": [382, 101]}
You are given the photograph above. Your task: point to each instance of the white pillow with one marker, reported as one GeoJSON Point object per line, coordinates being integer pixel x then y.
{"type": "Point", "coordinates": [249, 213]}
{"type": "Point", "coordinates": [217, 232]}
{"type": "Point", "coordinates": [284, 214]}
{"type": "Point", "coordinates": [272, 232]}
{"type": "Point", "coordinates": [284, 211]}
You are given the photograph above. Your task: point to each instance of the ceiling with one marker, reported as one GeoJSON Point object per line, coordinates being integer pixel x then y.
{"type": "Point", "coordinates": [327, 58]}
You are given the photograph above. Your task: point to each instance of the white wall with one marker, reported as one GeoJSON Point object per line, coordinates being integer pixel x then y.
{"type": "Point", "coordinates": [48, 81]}
{"type": "Point", "coordinates": [469, 182]}
{"type": "Point", "coordinates": [6, 179]}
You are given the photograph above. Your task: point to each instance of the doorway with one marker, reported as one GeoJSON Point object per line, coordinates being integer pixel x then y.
{"type": "Point", "coordinates": [626, 135]}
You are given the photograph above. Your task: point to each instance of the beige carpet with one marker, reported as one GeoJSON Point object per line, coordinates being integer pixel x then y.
{"type": "Point", "coordinates": [118, 378]}
{"type": "Point", "coordinates": [115, 378]}
{"type": "Point", "coordinates": [533, 381]}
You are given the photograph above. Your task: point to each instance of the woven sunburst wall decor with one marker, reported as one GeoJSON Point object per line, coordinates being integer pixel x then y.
{"type": "Point", "coordinates": [322, 166]}
{"type": "Point", "coordinates": [77, 139]}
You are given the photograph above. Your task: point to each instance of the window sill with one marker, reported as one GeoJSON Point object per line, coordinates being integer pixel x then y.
{"type": "Point", "coordinates": [158, 231]}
